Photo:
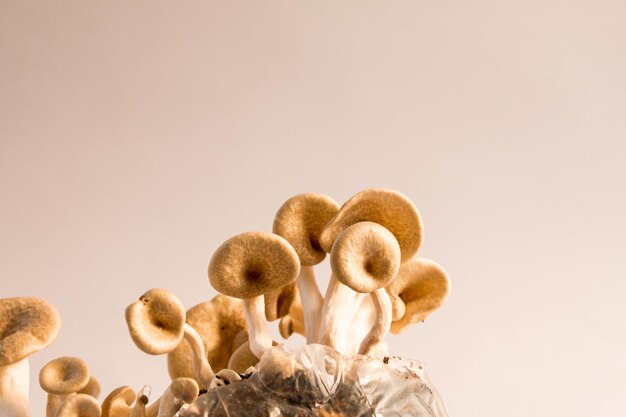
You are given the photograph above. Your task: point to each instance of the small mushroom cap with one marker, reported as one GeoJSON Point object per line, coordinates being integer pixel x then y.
{"type": "Point", "coordinates": [365, 257]}
{"type": "Point", "coordinates": [156, 321]}
{"type": "Point", "coordinates": [80, 405]}
{"type": "Point", "coordinates": [301, 220]}
{"type": "Point", "coordinates": [423, 285]}
{"type": "Point", "coordinates": [293, 322]}
{"type": "Point", "coordinates": [388, 208]}
{"type": "Point", "coordinates": [119, 402]}
{"type": "Point", "coordinates": [27, 325]}
{"type": "Point", "coordinates": [185, 389]}
{"type": "Point", "coordinates": [278, 302]}
{"type": "Point", "coordinates": [92, 388]}
{"type": "Point", "coordinates": [241, 338]}
{"type": "Point", "coordinates": [64, 375]}
{"type": "Point", "coordinates": [252, 264]}
{"type": "Point", "coordinates": [242, 359]}
{"type": "Point", "coordinates": [218, 322]}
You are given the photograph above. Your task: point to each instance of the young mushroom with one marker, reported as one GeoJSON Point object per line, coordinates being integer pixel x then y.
{"type": "Point", "coordinates": [248, 266]}
{"type": "Point", "coordinates": [156, 323]}
{"type": "Point", "coordinates": [62, 378]}
{"type": "Point", "coordinates": [92, 388]}
{"type": "Point", "coordinates": [365, 257]}
{"type": "Point", "coordinates": [278, 302]}
{"type": "Point", "coordinates": [27, 325]}
{"type": "Point", "coordinates": [301, 220]}
{"type": "Point", "coordinates": [218, 322]}
{"type": "Point", "coordinates": [119, 402]}
{"type": "Point", "coordinates": [420, 288]}
{"type": "Point", "coordinates": [180, 391]}
{"type": "Point", "coordinates": [80, 405]}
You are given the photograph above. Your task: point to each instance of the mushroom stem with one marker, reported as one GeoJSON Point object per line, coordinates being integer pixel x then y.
{"type": "Point", "coordinates": [54, 403]}
{"type": "Point", "coordinates": [340, 302]}
{"type": "Point", "coordinates": [312, 301]}
{"type": "Point", "coordinates": [382, 305]}
{"type": "Point", "coordinates": [14, 389]}
{"type": "Point", "coordinates": [201, 365]}
{"type": "Point", "coordinates": [260, 339]}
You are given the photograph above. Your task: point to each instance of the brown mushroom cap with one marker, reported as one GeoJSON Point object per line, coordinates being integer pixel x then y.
{"type": "Point", "coordinates": [388, 208]}
{"type": "Point", "coordinates": [365, 257]}
{"type": "Point", "coordinates": [80, 405]}
{"type": "Point", "coordinates": [119, 402]}
{"type": "Point", "coordinates": [423, 285]}
{"type": "Point", "coordinates": [252, 264]}
{"type": "Point", "coordinates": [242, 359]}
{"type": "Point", "coordinates": [218, 322]}
{"type": "Point", "coordinates": [156, 321]}
{"type": "Point", "coordinates": [301, 220]}
{"type": "Point", "coordinates": [27, 325]}
{"type": "Point", "coordinates": [92, 388]}
{"type": "Point", "coordinates": [185, 389]}
{"type": "Point", "coordinates": [278, 302]}
{"type": "Point", "coordinates": [64, 375]}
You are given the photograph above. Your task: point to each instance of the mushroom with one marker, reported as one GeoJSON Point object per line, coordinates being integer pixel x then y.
{"type": "Point", "coordinates": [278, 302]}
{"type": "Point", "coordinates": [292, 322]}
{"type": "Point", "coordinates": [249, 265]}
{"type": "Point", "coordinates": [80, 405]}
{"type": "Point", "coordinates": [62, 378]}
{"type": "Point", "coordinates": [156, 323]}
{"type": "Point", "coordinates": [92, 388]}
{"type": "Point", "coordinates": [301, 220]}
{"type": "Point", "coordinates": [218, 322]}
{"type": "Point", "coordinates": [365, 257]}
{"type": "Point", "coordinates": [242, 358]}
{"type": "Point", "coordinates": [27, 325]}
{"type": "Point", "coordinates": [119, 402]}
{"type": "Point", "coordinates": [180, 391]}
{"type": "Point", "coordinates": [420, 288]}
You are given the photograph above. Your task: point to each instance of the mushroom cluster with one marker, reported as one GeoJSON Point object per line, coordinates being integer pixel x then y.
{"type": "Point", "coordinates": [377, 285]}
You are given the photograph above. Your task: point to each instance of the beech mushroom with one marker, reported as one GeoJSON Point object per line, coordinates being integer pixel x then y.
{"type": "Point", "coordinates": [301, 220]}
{"type": "Point", "coordinates": [156, 323]}
{"type": "Point", "coordinates": [119, 402]}
{"type": "Point", "coordinates": [27, 325]}
{"type": "Point", "coordinates": [292, 322]}
{"type": "Point", "coordinates": [278, 302]}
{"type": "Point", "coordinates": [420, 288]}
{"type": "Point", "coordinates": [80, 405]}
{"type": "Point", "coordinates": [248, 266]}
{"type": "Point", "coordinates": [92, 388]}
{"type": "Point", "coordinates": [180, 391]}
{"type": "Point", "coordinates": [365, 257]}
{"type": "Point", "coordinates": [218, 322]}
{"type": "Point", "coordinates": [242, 358]}
{"type": "Point", "coordinates": [62, 378]}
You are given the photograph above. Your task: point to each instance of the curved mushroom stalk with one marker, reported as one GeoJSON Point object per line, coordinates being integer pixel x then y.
{"type": "Point", "coordinates": [27, 325]}
{"type": "Point", "coordinates": [260, 338]}
{"type": "Point", "coordinates": [312, 303]}
{"type": "Point", "coordinates": [340, 302]}
{"type": "Point", "coordinates": [382, 305]}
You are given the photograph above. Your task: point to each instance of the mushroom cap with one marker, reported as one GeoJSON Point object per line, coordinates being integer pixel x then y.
{"type": "Point", "coordinates": [365, 257]}
{"type": "Point", "coordinates": [301, 220]}
{"type": "Point", "coordinates": [241, 338]}
{"type": "Point", "coordinates": [278, 302]}
{"type": "Point", "coordinates": [242, 359]}
{"type": "Point", "coordinates": [92, 388]}
{"type": "Point", "coordinates": [119, 402]}
{"type": "Point", "coordinates": [156, 321]}
{"type": "Point", "coordinates": [423, 286]}
{"type": "Point", "coordinates": [218, 322]}
{"type": "Point", "coordinates": [292, 322]}
{"type": "Point", "coordinates": [80, 405]}
{"type": "Point", "coordinates": [64, 375]}
{"type": "Point", "coordinates": [388, 208]}
{"type": "Point", "coordinates": [252, 264]}
{"type": "Point", "coordinates": [27, 325]}
{"type": "Point", "coordinates": [185, 389]}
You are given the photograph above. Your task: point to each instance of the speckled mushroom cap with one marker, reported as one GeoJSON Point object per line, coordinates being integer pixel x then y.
{"type": "Point", "coordinates": [423, 286]}
{"type": "Point", "coordinates": [27, 325]}
{"type": "Point", "coordinates": [386, 207]}
{"type": "Point", "coordinates": [80, 405]}
{"type": "Point", "coordinates": [155, 322]}
{"type": "Point", "coordinates": [301, 220]}
{"type": "Point", "coordinates": [64, 375]}
{"type": "Point", "coordinates": [218, 322]}
{"type": "Point", "coordinates": [119, 402]}
{"type": "Point", "coordinates": [365, 257]}
{"type": "Point", "coordinates": [278, 302]}
{"type": "Point", "coordinates": [185, 389]}
{"type": "Point", "coordinates": [252, 264]}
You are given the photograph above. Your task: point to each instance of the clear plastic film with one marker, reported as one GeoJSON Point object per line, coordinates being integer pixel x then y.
{"type": "Point", "coordinates": [317, 381]}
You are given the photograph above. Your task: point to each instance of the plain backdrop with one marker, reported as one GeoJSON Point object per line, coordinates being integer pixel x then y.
{"type": "Point", "coordinates": [137, 136]}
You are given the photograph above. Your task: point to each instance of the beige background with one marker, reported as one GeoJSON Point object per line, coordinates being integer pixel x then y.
{"type": "Point", "coordinates": [137, 136]}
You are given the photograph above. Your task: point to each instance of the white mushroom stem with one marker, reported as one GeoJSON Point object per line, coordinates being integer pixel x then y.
{"type": "Point", "coordinates": [201, 365]}
{"type": "Point", "coordinates": [339, 306]}
{"type": "Point", "coordinates": [382, 305]}
{"type": "Point", "coordinates": [259, 336]}
{"type": "Point", "coordinates": [14, 389]}
{"type": "Point", "coordinates": [397, 305]}
{"type": "Point", "coordinates": [312, 301]}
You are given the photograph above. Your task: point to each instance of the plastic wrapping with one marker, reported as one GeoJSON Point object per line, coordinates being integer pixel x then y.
{"type": "Point", "coordinates": [317, 381]}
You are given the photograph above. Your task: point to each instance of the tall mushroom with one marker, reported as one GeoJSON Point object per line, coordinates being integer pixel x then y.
{"type": "Point", "coordinates": [156, 323]}
{"type": "Point", "coordinates": [80, 405]}
{"type": "Point", "coordinates": [218, 322]}
{"type": "Point", "coordinates": [420, 288]}
{"type": "Point", "coordinates": [62, 378]}
{"type": "Point", "coordinates": [365, 257]}
{"type": "Point", "coordinates": [301, 220]}
{"type": "Point", "coordinates": [248, 266]}
{"type": "Point", "coordinates": [27, 325]}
